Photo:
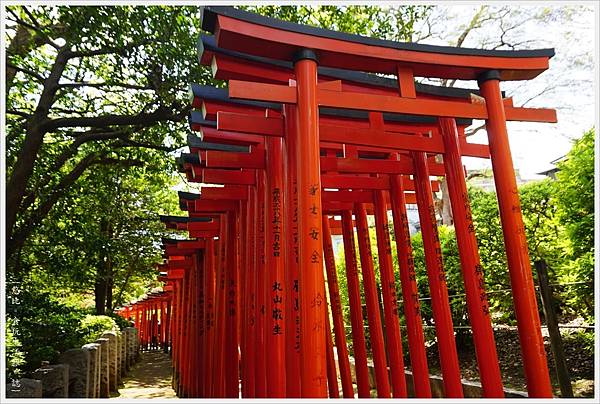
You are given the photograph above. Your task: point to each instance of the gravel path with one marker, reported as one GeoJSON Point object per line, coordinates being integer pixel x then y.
{"type": "Point", "coordinates": [150, 378]}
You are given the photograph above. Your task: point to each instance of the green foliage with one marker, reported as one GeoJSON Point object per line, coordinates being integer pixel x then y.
{"type": "Point", "coordinates": [486, 218]}
{"type": "Point", "coordinates": [112, 116]}
{"type": "Point", "coordinates": [453, 276]}
{"type": "Point", "coordinates": [71, 244]}
{"type": "Point", "coordinates": [118, 105]}
{"type": "Point", "coordinates": [541, 203]}
{"type": "Point", "coordinates": [91, 327]}
{"type": "Point", "coordinates": [15, 358]}
{"type": "Point", "coordinates": [541, 229]}
{"type": "Point", "coordinates": [583, 339]}
{"type": "Point", "coordinates": [121, 322]}
{"type": "Point", "coordinates": [393, 23]}
{"type": "Point", "coordinates": [46, 324]}
{"type": "Point", "coordinates": [541, 225]}
{"type": "Point", "coordinates": [574, 196]}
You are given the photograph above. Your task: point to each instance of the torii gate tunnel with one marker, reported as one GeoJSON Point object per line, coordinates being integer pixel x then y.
{"type": "Point", "coordinates": [307, 142]}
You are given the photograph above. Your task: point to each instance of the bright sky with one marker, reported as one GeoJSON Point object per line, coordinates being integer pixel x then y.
{"type": "Point", "coordinates": [570, 30]}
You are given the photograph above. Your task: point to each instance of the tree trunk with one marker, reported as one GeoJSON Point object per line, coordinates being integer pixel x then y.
{"type": "Point", "coordinates": [101, 287]}
{"type": "Point", "coordinates": [100, 294]}
{"type": "Point", "coordinates": [119, 300]}
{"type": "Point", "coordinates": [109, 273]}
{"type": "Point", "coordinates": [19, 46]}
{"type": "Point", "coordinates": [16, 184]}
{"type": "Point", "coordinates": [109, 295]}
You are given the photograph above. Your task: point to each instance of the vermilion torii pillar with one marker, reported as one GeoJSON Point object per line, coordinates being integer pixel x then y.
{"type": "Point", "coordinates": [346, 182]}
{"type": "Point", "coordinates": [519, 266]}
{"type": "Point", "coordinates": [312, 291]}
{"type": "Point", "coordinates": [276, 250]}
{"type": "Point", "coordinates": [477, 303]}
{"type": "Point", "coordinates": [381, 361]}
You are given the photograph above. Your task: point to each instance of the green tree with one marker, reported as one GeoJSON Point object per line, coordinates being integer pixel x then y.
{"type": "Point", "coordinates": [102, 235]}
{"type": "Point", "coordinates": [575, 194]}
{"type": "Point", "coordinates": [90, 87]}
{"type": "Point", "coordinates": [541, 228]}
{"type": "Point", "coordinates": [393, 23]}
{"type": "Point", "coordinates": [574, 197]}
{"type": "Point", "coordinates": [453, 275]}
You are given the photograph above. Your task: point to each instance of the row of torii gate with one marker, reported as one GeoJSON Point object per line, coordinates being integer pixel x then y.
{"type": "Point", "coordinates": [307, 142]}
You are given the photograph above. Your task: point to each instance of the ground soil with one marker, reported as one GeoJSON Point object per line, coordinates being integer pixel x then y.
{"type": "Point", "coordinates": [149, 378]}
{"type": "Point", "coordinates": [579, 360]}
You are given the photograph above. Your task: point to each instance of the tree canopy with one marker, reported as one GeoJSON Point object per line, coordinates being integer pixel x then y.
{"type": "Point", "coordinates": [90, 87]}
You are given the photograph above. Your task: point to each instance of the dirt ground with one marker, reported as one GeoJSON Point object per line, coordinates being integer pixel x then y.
{"type": "Point", "coordinates": [579, 361]}
{"type": "Point", "coordinates": [150, 378]}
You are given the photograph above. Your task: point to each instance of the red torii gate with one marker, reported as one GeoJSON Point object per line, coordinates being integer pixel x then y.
{"type": "Point", "coordinates": [297, 113]}
{"type": "Point", "coordinates": [356, 194]}
{"type": "Point", "coordinates": [237, 30]}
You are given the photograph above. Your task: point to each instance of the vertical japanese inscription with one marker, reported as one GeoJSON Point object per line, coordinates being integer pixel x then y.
{"type": "Point", "coordinates": [277, 311]}
{"type": "Point", "coordinates": [297, 316]}
{"type": "Point", "coordinates": [277, 289]}
{"type": "Point", "coordinates": [485, 307]}
{"type": "Point", "coordinates": [295, 288]}
{"type": "Point", "coordinates": [276, 221]}
{"type": "Point", "coordinates": [438, 249]}
{"type": "Point", "coordinates": [295, 221]}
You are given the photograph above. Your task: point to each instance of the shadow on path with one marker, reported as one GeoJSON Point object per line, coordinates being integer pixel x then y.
{"type": "Point", "coordinates": [149, 378]}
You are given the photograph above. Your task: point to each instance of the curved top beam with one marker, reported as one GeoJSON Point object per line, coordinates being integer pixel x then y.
{"type": "Point", "coordinates": [262, 36]}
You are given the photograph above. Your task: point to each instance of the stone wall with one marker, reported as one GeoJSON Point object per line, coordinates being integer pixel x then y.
{"type": "Point", "coordinates": [123, 354]}
{"type": "Point", "coordinates": [92, 371]}
{"type": "Point", "coordinates": [112, 361]}
{"type": "Point", "coordinates": [55, 380]}
{"type": "Point", "coordinates": [132, 345]}
{"type": "Point", "coordinates": [79, 371]}
{"type": "Point", "coordinates": [104, 367]}
{"type": "Point", "coordinates": [24, 388]}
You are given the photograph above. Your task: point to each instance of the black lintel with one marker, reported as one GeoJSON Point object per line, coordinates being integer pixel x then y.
{"type": "Point", "coordinates": [209, 17]}
{"type": "Point", "coordinates": [183, 219]}
{"type": "Point", "coordinates": [222, 95]}
{"type": "Point", "coordinates": [208, 42]}
{"type": "Point", "coordinates": [188, 196]}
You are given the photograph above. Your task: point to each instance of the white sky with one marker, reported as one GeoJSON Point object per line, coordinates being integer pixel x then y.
{"type": "Point", "coordinates": [572, 33]}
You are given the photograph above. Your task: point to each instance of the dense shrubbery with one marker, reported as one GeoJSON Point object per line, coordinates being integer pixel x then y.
{"type": "Point", "coordinates": [120, 321]}
{"type": "Point", "coordinates": [44, 326]}
{"type": "Point", "coordinates": [41, 325]}
{"type": "Point", "coordinates": [91, 327]}
{"type": "Point", "coordinates": [575, 199]}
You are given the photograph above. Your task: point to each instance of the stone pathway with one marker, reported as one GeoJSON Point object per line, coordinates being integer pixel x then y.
{"type": "Point", "coordinates": [149, 378]}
